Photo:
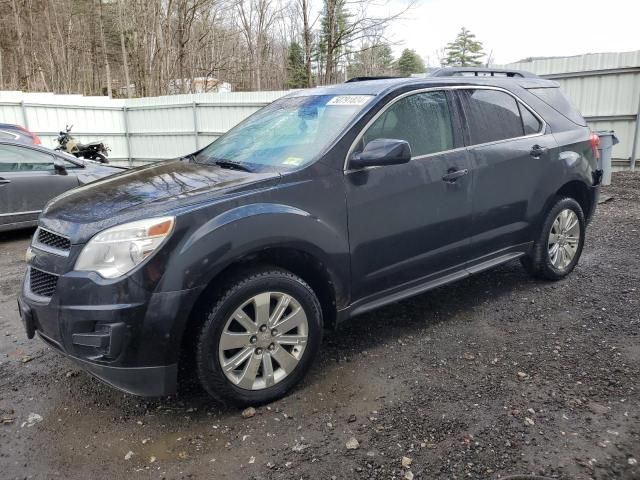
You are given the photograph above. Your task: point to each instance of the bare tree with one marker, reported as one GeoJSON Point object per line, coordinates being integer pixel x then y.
{"type": "Point", "coordinates": [156, 47]}
{"type": "Point", "coordinates": [125, 60]}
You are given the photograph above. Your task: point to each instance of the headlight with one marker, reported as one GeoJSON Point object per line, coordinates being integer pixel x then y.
{"type": "Point", "coordinates": [118, 250]}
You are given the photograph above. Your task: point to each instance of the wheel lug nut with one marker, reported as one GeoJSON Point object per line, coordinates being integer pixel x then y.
{"type": "Point", "coordinates": [272, 347]}
{"type": "Point", "coordinates": [258, 351]}
{"type": "Point", "coordinates": [253, 339]}
{"type": "Point", "coordinates": [274, 332]}
{"type": "Point", "coordinates": [263, 328]}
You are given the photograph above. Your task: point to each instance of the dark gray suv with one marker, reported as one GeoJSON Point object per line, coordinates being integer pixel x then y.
{"type": "Point", "coordinates": [228, 263]}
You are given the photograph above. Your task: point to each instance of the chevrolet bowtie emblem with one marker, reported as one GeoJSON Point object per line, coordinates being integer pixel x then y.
{"type": "Point", "coordinates": [29, 255]}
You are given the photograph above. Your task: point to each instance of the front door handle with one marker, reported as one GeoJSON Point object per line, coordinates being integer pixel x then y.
{"type": "Point", "coordinates": [4, 181]}
{"type": "Point", "coordinates": [454, 175]}
{"type": "Point", "coordinates": [537, 151]}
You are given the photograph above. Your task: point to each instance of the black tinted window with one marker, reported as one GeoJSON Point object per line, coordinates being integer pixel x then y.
{"type": "Point", "coordinates": [559, 102]}
{"type": "Point", "coordinates": [491, 115]}
{"type": "Point", "coordinates": [423, 120]}
{"type": "Point", "coordinates": [530, 123]}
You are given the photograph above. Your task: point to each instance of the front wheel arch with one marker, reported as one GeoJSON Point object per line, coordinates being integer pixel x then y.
{"type": "Point", "coordinates": [208, 356]}
{"type": "Point", "coordinates": [316, 274]}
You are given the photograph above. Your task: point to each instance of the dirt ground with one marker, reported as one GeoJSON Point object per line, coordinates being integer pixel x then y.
{"type": "Point", "coordinates": [495, 376]}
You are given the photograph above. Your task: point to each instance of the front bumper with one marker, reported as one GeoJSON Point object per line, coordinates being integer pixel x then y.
{"type": "Point", "coordinates": [120, 333]}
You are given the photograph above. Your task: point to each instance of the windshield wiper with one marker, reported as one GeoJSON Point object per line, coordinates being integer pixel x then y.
{"type": "Point", "coordinates": [232, 165]}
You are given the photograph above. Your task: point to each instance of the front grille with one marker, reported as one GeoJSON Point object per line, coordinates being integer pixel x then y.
{"type": "Point", "coordinates": [53, 240]}
{"type": "Point", "coordinates": [42, 283]}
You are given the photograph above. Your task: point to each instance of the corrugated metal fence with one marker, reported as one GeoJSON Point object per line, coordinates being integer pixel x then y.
{"type": "Point", "coordinates": [138, 130]}
{"type": "Point", "coordinates": [606, 89]}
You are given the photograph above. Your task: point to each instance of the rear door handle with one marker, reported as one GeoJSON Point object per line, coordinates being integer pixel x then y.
{"type": "Point", "coordinates": [454, 175]}
{"type": "Point", "coordinates": [4, 181]}
{"type": "Point", "coordinates": [537, 151]}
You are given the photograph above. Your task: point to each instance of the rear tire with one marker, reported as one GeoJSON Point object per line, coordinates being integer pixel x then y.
{"type": "Point", "coordinates": [246, 353]}
{"type": "Point", "coordinates": [557, 250]}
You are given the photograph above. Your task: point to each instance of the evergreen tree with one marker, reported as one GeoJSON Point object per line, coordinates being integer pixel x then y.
{"type": "Point", "coordinates": [409, 62]}
{"type": "Point", "coordinates": [335, 37]}
{"type": "Point", "coordinates": [296, 71]}
{"type": "Point", "coordinates": [464, 51]}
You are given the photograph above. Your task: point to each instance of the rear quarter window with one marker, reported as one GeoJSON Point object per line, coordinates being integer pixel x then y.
{"type": "Point", "coordinates": [557, 100]}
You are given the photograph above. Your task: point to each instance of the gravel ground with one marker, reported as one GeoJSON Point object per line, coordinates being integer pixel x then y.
{"type": "Point", "coordinates": [495, 376]}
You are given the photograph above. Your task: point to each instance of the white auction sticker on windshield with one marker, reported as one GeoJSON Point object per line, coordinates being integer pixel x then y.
{"type": "Point", "coordinates": [349, 100]}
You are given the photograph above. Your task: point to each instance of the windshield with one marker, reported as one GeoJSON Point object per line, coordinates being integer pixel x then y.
{"type": "Point", "coordinates": [289, 133]}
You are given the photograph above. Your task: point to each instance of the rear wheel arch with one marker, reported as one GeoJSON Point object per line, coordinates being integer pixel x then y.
{"type": "Point", "coordinates": [577, 190]}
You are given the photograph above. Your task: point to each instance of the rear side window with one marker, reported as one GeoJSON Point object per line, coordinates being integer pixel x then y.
{"type": "Point", "coordinates": [559, 102]}
{"type": "Point", "coordinates": [492, 115]}
{"type": "Point", "coordinates": [423, 120]}
{"type": "Point", "coordinates": [529, 121]}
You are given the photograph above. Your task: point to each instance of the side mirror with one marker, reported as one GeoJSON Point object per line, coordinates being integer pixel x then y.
{"type": "Point", "coordinates": [59, 167]}
{"type": "Point", "coordinates": [380, 152]}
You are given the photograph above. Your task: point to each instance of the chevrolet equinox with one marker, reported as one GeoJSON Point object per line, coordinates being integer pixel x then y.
{"type": "Point", "coordinates": [227, 263]}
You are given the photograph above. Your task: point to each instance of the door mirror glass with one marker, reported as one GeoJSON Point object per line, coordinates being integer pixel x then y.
{"type": "Point", "coordinates": [59, 167]}
{"type": "Point", "coordinates": [382, 151]}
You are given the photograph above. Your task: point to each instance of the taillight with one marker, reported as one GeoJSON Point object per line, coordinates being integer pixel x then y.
{"type": "Point", "coordinates": [594, 140]}
{"type": "Point", "coordinates": [34, 138]}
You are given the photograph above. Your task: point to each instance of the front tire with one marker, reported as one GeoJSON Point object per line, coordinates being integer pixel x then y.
{"type": "Point", "coordinates": [260, 338]}
{"type": "Point", "coordinates": [558, 248]}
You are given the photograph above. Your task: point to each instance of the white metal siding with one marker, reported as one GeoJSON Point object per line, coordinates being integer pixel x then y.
{"type": "Point", "coordinates": [139, 130]}
{"type": "Point", "coordinates": [605, 87]}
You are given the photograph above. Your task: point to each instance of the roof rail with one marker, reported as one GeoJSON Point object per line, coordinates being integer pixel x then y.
{"type": "Point", "coordinates": [481, 72]}
{"type": "Point", "coordinates": [364, 79]}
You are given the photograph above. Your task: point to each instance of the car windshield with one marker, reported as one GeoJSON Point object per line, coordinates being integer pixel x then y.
{"type": "Point", "coordinates": [289, 133]}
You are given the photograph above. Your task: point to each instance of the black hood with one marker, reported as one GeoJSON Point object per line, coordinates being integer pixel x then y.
{"type": "Point", "coordinates": [142, 192]}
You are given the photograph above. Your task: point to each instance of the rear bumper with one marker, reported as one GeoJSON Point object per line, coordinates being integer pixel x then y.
{"type": "Point", "coordinates": [594, 197]}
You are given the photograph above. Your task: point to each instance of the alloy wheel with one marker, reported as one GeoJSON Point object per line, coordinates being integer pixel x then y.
{"type": "Point", "coordinates": [263, 340]}
{"type": "Point", "coordinates": [564, 238]}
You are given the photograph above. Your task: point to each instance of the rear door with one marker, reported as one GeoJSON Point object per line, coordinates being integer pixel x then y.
{"type": "Point", "coordinates": [509, 148]}
{"type": "Point", "coordinates": [28, 181]}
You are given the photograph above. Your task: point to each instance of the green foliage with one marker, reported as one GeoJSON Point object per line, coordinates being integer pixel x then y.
{"type": "Point", "coordinates": [409, 62]}
{"type": "Point", "coordinates": [464, 51]}
{"type": "Point", "coordinates": [296, 72]}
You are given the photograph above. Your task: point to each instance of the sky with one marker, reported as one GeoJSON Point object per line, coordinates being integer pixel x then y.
{"type": "Point", "coordinates": [514, 30]}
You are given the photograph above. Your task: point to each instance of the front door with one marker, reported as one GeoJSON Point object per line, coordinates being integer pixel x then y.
{"type": "Point", "coordinates": [410, 222]}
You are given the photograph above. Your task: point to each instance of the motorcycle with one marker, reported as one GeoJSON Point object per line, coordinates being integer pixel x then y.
{"type": "Point", "coordinates": [90, 151]}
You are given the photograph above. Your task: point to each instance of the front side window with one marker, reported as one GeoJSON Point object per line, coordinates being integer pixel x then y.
{"type": "Point", "coordinates": [18, 159]}
{"type": "Point", "coordinates": [289, 133]}
{"type": "Point", "coordinates": [491, 115]}
{"type": "Point", "coordinates": [423, 120]}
